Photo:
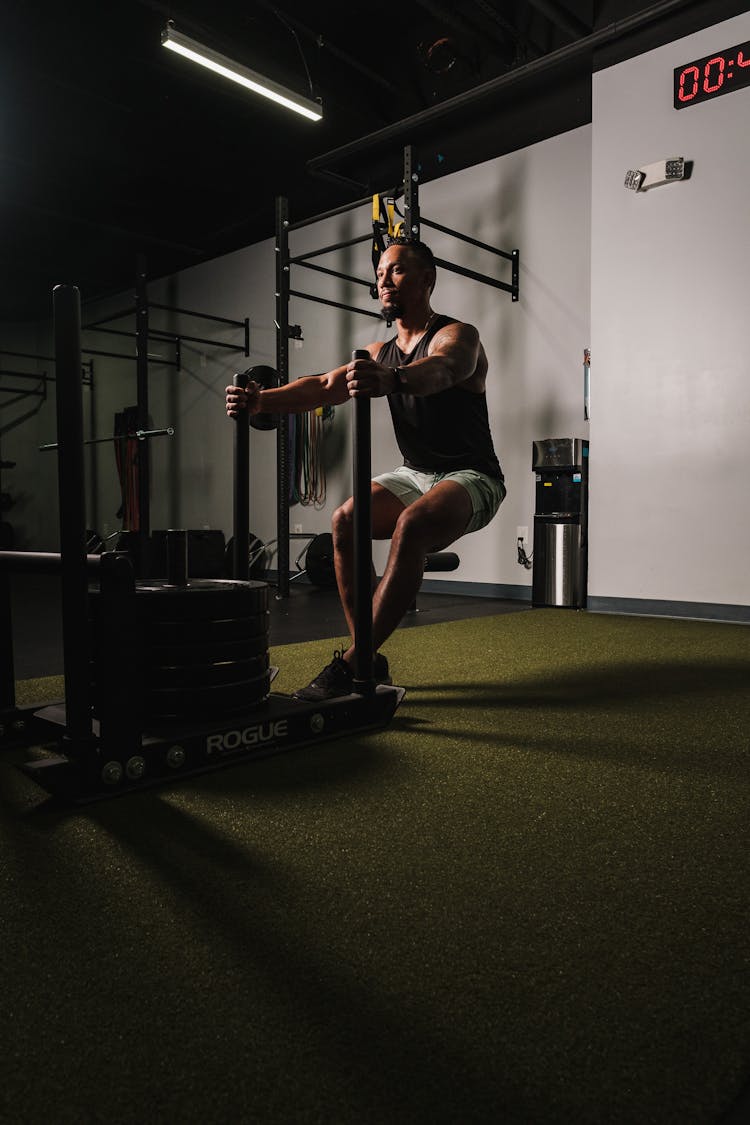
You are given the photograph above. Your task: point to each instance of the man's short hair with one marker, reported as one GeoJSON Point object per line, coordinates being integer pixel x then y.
{"type": "Point", "coordinates": [421, 250]}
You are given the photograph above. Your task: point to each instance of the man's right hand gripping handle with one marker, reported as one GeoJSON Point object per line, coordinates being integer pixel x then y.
{"type": "Point", "coordinates": [242, 395]}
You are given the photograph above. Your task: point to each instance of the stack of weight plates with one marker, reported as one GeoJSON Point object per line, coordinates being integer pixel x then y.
{"type": "Point", "coordinates": [201, 649]}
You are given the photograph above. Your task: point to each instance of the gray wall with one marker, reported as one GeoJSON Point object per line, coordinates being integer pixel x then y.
{"type": "Point", "coordinates": [670, 362]}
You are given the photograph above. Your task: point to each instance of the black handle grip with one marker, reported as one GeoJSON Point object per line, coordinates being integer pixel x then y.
{"type": "Point", "coordinates": [363, 676]}
{"type": "Point", "coordinates": [241, 504]}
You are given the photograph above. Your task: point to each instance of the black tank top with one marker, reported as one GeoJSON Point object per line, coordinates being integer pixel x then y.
{"type": "Point", "coordinates": [444, 432]}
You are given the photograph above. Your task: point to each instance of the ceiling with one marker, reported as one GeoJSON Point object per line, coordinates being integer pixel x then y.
{"type": "Point", "coordinates": [113, 148]}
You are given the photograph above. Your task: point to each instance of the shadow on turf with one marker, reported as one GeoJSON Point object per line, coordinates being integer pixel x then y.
{"type": "Point", "coordinates": [595, 686]}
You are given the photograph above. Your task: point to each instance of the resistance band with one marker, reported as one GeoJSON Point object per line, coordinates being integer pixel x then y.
{"type": "Point", "coordinates": [309, 477]}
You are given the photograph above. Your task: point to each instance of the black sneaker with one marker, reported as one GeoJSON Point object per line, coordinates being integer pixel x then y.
{"type": "Point", "coordinates": [380, 672]}
{"type": "Point", "coordinates": [336, 679]}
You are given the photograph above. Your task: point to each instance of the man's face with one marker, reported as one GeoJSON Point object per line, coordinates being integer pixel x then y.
{"type": "Point", "coordinates": [401, 280]}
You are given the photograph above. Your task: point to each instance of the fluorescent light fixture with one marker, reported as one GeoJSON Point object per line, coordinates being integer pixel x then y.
{"type": "Point", "coordinates": [250, 79]}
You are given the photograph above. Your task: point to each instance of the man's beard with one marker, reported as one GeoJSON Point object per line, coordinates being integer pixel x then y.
{"type": "Point", "coordinates": [393, 312]}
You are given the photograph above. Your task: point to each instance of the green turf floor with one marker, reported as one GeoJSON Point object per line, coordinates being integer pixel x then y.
{"type": "Point", "coordinates": [525, 901]}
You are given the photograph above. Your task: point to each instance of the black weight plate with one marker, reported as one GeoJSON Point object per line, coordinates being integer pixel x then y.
{"type": "Point", "coordinates": [257, 557]}
{"type": "Point", "coordinates": [189, 655]}
{"type": "Point", "coordinates": [200, 600]}
{"type": "Point", "coordinates": [212, 630]}
{"type": "Point", "coordinates": [208, 702]}
{"type": "Point", "coordinates": [208, 632]}
{"type": "Point", "coordinates": [319, 562]}
{"type": "Point", "coordinates": [166, 677]}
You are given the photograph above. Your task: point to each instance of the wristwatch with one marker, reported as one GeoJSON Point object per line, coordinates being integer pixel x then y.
{"type": "Point", "coordinates": [399, 385]}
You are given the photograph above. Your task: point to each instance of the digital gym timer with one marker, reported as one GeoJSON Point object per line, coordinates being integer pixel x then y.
{"type": "Point", "coordinates": [712, 76]}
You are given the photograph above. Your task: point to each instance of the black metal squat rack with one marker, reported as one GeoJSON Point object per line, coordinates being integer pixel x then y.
{"type": "Point", "coordinates": [412, 223]}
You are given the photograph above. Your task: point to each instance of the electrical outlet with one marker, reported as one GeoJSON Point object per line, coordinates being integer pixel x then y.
{"type": "Point", "coordinates": [298, 529]}
{"type": "Point", "coordinates": [522, 533]}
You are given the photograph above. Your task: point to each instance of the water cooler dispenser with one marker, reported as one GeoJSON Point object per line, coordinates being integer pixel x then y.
{"type": "Point", "coordinates": [560, 558]}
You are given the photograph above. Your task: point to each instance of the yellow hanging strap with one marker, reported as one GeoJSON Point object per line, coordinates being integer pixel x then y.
{"type": "Point", "coordinates": [379, 230]}
{"type": "Point", "coordinates": [395, 229]}
{"type": "Point", "coordinates": [384, 223]}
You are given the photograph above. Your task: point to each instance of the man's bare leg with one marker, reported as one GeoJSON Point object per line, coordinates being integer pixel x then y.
{"type": "Point", "coordinates": [432, 523]}
{"type": "Point", "coordinates": [386, 509]}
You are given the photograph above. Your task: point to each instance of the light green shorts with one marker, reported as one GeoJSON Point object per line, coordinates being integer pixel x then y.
{"type": "Point", "coordinates": [487, 493]}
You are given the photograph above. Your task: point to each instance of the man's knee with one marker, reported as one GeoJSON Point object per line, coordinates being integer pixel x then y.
{"type": "Point", "coordinates": [433, 526]}
{"type": "Point", "coordinates": [413, 530]}
{"type": "Point", "coordinates": [342, 522]}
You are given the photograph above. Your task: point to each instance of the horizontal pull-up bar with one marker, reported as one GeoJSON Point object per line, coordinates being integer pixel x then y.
{"type": "Point", "coordinates": [160, 334]}
{"type": "Point", "coordinates": [20, 390]}
{"type": "Point", "coordinates": [44, 358]}
{"type": "Point", "coordinates": [26, 375]}
{"type": "Point", "coordinates": [332, 273]}
{"type": "Point", "coordinates": [329, 249]}
{"type": "Point", "coordinates": [167, 308]}
{"type": "Point", "coordinates": [334, 304]}
{"type": "Point", "coordinates": [203, 316]}
{"type": "Point", "coordinates": [512, 289]}
{"type": "Point", "coordinates": [511, 256]}
{"type": "Point", "coordinates": [157, 334]}
{"type": "Point", "coordinates": [342, 210]}
{"type": "Point", "coordinates": [122, 355]}
{"type": "Point", "coordinates": [467, 238]}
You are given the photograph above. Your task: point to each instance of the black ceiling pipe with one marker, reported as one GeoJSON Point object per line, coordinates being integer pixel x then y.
{"type": "Point", "coordinates": [471, 98]}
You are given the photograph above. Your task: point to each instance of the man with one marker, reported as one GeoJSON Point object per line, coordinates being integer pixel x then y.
{"type": "Point", "coordinates": [433, 372]}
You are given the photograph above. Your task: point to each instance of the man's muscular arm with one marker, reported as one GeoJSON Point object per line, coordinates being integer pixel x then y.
{"type": "Point", "coordinates": [293, 398]}
{"type": "Point", "coordinates": [452, 358]}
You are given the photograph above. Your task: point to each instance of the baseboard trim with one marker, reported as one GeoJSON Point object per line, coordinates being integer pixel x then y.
{"type": "Point", "coordinates": [503, 591]}
{"type": "Point", "coordinates": [500, 590]}
{"type": "Point", "coordinates": [654, 607]}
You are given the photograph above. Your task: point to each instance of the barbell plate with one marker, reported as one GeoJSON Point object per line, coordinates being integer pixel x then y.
{"type": "Point", "coordinates": [319, 562]}
{"type": "Point", "coordinates": [210, 631]}
{"type": "Point", "coordinates": [189, 655]}
{"type": "Point", "coordinates": [257, 555]}
{"type": "Point", "coordinates": [198, 676]}
{"type": "Point", "coordinates": [200, 600]}
{"type": "Point", "coordinates": [207, 702]}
